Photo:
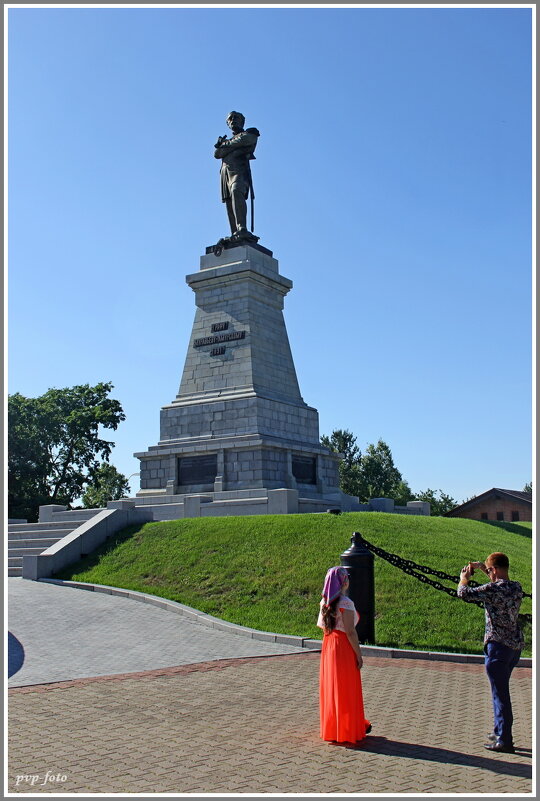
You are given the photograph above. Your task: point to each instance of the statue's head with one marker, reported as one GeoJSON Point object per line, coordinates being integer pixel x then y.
{"type": "Point", "coordinates": [235, 120]}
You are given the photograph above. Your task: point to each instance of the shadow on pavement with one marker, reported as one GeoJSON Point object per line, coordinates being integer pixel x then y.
{"type": "Point", "coordinates": [15, 655]}
{"type": "Point", "coordinates": [381, 745]}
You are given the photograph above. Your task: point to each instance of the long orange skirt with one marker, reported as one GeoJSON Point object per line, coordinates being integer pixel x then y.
{"type": "Point", "coordinates": [340, 691]}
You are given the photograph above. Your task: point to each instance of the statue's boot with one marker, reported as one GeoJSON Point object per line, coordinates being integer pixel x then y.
{"type": "Point", "coordinates": [243, 233]}
{"type": "Point", "coordinates": [239, 208]}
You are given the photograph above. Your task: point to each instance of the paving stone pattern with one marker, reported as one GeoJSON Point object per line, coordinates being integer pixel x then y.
{"type": "Point", "coordinates": [70, 633]}
{"type": "Point", "coordinates": [251, 726]}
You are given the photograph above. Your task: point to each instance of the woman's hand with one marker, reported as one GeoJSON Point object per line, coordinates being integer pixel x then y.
{"type": "Point", "coordinates": [350, 630]}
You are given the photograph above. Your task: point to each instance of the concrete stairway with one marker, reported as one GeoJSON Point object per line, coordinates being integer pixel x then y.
{"type": "Point", "coordinates": [25, 539]}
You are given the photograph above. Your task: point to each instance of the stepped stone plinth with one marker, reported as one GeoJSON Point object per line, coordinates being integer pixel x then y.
{"type": "Point", "coordinates": [239, 423]}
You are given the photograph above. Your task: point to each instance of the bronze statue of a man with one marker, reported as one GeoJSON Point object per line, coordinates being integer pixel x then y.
{"type": "Point", "coordinates": [236, 184]}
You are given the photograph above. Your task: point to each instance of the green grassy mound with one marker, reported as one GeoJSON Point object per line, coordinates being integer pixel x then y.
{"type": "Point", "coordinates": [266, 571]}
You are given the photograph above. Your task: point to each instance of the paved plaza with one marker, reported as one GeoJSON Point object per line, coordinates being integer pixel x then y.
{"type": "Point", "coordinates": [69, 633]}
{"type": "Point", "coordinates": [250, 724]}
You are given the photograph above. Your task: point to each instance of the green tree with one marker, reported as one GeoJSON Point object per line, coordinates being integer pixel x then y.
{"type": "Point", "coordinates": [369, 475]}
{"type": "Point", "coordinates": [344, 442]}
{"type": "Point", "coordinates": [402, 493]}
{"type": "Point", "coordinates": [439, 505]}
{"type": "Point", "coordinates": [379, 477]}
{"type": "Point", "coordinates": [27, 455]}
{"type": "Point", "coordinates": [528, 487]}
{"type": "Point", "coordinates": [54, 444]}
{"type": "Point", "coordinates": [107, 485]}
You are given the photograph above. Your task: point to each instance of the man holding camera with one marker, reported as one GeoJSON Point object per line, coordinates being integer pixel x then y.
{"type": "Point", "coordinates": [503, 639]}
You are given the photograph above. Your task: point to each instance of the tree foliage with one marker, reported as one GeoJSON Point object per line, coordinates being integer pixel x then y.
{"type": "Point", "coordinates": [55, 444]}
{"type": "Point", "coordinates": [379, 477]}
{"type": "Point", "coordinates": [528, 487]}
{"type": "Point", "coordinates": [107, 485]}
{"type": "Point", "coordinates": [402, 493]}
{"type": "Point", "coordinates": [439, 504]}
{"type": "Point", "coordinates": [373, 474]}
{"type": "Point", "coordinates": [344, 442]}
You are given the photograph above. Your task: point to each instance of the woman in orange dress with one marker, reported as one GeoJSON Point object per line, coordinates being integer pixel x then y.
{"type": "Point", "coordinates": [340, 688]}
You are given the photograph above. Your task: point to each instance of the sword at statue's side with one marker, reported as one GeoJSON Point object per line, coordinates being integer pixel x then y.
{"type": "Point", "coordinates": [251, 155]}
{"type": "Point", "coordinates": [252, 196]}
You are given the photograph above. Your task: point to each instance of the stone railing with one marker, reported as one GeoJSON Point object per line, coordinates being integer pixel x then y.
{"type": "Point", "coordinates": [84, 539]}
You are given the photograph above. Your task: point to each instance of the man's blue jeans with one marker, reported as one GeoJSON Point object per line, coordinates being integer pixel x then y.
{"type": "Point", "coordinates": [500, 662]}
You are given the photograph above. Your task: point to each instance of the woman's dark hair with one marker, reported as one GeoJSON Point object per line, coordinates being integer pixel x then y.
{"type": "Point", "coordinates": [329, 614]}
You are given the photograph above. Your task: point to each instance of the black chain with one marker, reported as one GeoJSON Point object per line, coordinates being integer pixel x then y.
{"type": "Point", "coordinates": [412, 568]}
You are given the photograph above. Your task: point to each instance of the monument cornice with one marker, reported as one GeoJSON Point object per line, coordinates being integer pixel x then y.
{"type": "Point", "coordinates": [224, 396]}
{"type": "Point", "coordinates": [238, 442]}
{"type": "Point", "coordinates": [213, 277]}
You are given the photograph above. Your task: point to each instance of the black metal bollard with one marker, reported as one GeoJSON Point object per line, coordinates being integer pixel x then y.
{"type": "Point", "coordinates": [359, 564]}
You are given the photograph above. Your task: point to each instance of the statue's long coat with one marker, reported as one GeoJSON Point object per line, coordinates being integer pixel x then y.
{"type": "Point", "coordinates": [236, 153]}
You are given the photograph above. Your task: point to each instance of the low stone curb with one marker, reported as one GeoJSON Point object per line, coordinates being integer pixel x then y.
{"type": "Point", "coordinates": [267, 636]}
{"type": "Point", "coordinates": [192, 614]}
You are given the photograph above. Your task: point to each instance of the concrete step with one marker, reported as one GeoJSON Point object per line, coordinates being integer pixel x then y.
{"type": "Point", "coordinates": [15, 561]}
{"type": "Point", "coordinates": [42, 543]}
{"type": "Point", "coordinates": [81, 515]}
{"type": "Point", "coordinates": [14, 552]}
{"type": "Point", "coordinates": [22, 528]}
{"type": "Point", "coordinates": [32, 534]}
{"type": "Point", "coordinates": [15, 571]}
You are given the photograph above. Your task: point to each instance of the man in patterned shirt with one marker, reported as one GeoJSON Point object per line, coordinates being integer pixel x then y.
{"type": "Point", "coordinates": [503, 638]}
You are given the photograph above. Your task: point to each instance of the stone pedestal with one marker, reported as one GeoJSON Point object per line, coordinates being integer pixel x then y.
{"type": "Point", "coordinates": [238, 421]}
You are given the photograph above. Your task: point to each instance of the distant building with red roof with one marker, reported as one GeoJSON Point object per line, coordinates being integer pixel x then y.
{"type": "Point", "coordinates": [496, 504]}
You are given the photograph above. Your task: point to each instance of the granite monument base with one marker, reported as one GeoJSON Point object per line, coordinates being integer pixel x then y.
{"type": "Point", "coordinates": [239, 422]}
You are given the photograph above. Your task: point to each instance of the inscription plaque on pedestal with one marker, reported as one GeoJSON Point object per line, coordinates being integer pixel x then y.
{"type": "Point", "coordinates": [197, 469]}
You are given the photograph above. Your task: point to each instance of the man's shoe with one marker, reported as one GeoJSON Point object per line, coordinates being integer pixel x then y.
{"type": "Point", "coordinates": [500, 747]}
{"type": "Point", "coordinates": [492, 737]}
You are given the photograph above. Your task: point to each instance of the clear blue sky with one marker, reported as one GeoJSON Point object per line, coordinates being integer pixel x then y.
{"type": "Point", "coordinates": [392, 181]}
